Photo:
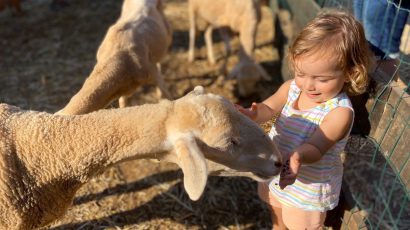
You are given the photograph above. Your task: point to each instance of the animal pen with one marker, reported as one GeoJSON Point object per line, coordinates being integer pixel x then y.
{"type": "Point", "coordinates": [376, 182]}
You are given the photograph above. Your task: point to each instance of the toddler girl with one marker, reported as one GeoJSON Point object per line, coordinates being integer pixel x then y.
{"type": "Point", "coordinates": [329, 60]}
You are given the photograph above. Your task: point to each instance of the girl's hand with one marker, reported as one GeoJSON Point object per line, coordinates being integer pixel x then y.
{"type": "Point", "coordinates": [290, 170]}
{"type": "Point", "coordinates": [251, 112]}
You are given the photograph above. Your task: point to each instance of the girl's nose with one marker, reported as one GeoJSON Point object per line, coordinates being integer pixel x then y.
{"type": "Point", "coordinates": [309, 84]}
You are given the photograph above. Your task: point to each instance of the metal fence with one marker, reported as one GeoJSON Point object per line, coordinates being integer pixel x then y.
{"type": "Point", "coordinates": [377, 168]}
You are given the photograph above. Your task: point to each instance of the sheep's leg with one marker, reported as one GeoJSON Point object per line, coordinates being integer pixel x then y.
{"type": "Point", "coordinates": [247, 39]}
{"type": "Point", "coordinates": [162, 91]}
{"type": "Point", "coordinates": [226, 38]}
{"type": "Point", "coordinates": [192, 31]}
{"type": "Point", "coordinates": [208, 42]}
{"type": "Point", "coordinates": [247, 36]}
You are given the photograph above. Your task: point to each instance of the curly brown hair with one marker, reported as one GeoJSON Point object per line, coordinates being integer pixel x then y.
{"type": "Point", "coordinates": [336, 32]}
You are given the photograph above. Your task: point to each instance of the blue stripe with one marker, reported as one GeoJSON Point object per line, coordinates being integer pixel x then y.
{"type": "Point", "coordinates": [298, 135]}
{"type": "Point", "coordinates": [295, 187]}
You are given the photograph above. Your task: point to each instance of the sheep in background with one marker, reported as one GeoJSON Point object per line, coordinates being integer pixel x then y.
{"type": "Point", "coordinates": [45, 158]}
{"type": "Point", "coordinates": [241, 16]}
{"type": "Point", "coordinates": [247, 73]}
{"type": "Point", "coordinates": [127, 58]}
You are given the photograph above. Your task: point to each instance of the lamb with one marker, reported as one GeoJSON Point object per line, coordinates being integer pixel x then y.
{"type": "Point", "coordinates": [241, 16]}
{"type": "Point", "coordinates": [45, 158]}
{"type": "Point", "coordinates": [247, 73]}
{"type": "Point", "coordinates": [127, 58]}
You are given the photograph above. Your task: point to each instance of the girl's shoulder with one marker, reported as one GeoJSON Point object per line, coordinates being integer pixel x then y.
{"type": "Point", "coordinates": [293, 87]}
{"type": "Point", "coordinates": [341, 100]}
{"type": "Point", "coordinates": [294, 90]}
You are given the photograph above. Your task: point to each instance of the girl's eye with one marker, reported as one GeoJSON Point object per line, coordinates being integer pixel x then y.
{"type": "Point", "coordinates": [323, 81]}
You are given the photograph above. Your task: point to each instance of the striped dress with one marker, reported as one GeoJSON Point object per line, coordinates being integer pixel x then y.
{"type": "Point", "coordinates": [317, 186]}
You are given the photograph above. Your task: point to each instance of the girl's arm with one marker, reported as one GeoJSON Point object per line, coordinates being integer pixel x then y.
{"type": "Point", "coordinates": [264, 111]}
{"type": "Point", "coordinates": [333, 128]}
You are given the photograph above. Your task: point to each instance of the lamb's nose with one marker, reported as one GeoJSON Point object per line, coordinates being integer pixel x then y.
{"type": "Point", "coordinates": [278, 164]}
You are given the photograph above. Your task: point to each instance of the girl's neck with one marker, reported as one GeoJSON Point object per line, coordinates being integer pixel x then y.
{"type": "Point", "coordinates": [303, 103]}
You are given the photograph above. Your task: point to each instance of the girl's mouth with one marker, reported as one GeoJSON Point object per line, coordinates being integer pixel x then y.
{"type": "Point", "coordinates": [313, 95]}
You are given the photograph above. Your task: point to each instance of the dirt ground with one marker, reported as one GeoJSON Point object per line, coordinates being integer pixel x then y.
{"type": "Point", "coordinates": [45, 56]}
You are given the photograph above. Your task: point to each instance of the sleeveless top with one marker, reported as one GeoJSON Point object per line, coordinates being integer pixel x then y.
{"type": "Point", "coordinates": [317, 185]}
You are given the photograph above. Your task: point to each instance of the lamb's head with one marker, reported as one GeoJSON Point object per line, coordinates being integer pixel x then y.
{"type": "Point", "coordinates": [210, 136]}
{"type": "Point", "coordinates": [248, 73]}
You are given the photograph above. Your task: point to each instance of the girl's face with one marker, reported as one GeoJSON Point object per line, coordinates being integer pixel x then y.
{"type": "Point", "coordinates": [319, 77]}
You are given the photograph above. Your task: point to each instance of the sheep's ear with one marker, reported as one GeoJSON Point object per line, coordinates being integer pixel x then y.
{"type": "Point", "coordinates": [198, 90]}
{"type": "Point", "coordinates": [193, 165]}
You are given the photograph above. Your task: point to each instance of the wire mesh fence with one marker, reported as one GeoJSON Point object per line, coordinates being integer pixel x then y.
{"type": "Point", "coordinates": [377, 168]}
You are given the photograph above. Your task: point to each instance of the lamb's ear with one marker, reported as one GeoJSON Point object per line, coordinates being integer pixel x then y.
{"type": "Point", "coordinates": [193, 165]}
{"type": "Point", "coordinates": [198, 90]}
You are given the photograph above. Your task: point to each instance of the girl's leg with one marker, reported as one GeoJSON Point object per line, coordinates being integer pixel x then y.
{"type": "Point", "coordinates": [298, 219]}
{"type": "Point", "coordinates": [277, 221]}
{"type": "Point", "coordinates": [274, 206]}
